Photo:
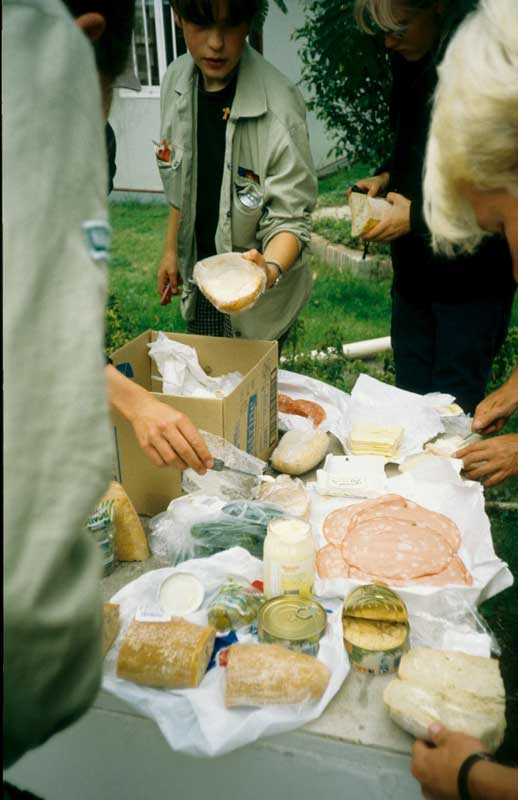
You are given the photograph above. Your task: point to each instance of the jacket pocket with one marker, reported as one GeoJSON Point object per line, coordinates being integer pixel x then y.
{"type": "Point", "coordinates": [171, 173]}
{"type": "Point", "coordinates": [248, 207]}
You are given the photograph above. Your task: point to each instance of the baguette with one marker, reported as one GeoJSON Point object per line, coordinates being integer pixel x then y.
{"type": "Point", "coordinates": [111, 625]}
{"type": "Point", "coordinates": [130, 540]}
{"type": "Point", "coordinates": [265, 674]}
{"type": "Point", "coordinates": [172, 655]}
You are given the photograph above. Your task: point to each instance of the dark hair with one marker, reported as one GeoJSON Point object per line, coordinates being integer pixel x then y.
{"type": "Point", "coordinates": [205, 12]}
{"type": "Point", "coordinates": [112, 49]}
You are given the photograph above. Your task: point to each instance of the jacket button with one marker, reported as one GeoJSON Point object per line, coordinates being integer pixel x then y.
{"type": "Point", "coordinates": [229, 214]}
{"type": "Point", "coordinates": [237, 333]}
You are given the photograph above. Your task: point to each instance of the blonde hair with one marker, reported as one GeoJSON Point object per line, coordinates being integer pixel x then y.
{"type": "Point", "coordinates": [474, 131]}
{"type": "Point", "coordinates": [381, 13]}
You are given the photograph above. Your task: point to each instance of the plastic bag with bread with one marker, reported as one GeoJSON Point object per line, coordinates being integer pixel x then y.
{"type": "Point", "coordinates": [366, 212]}
{"type": "Point", "coordinates": [230, 282]}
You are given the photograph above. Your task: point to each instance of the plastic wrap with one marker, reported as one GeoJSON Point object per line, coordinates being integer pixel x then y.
{"type": "Point", "coordinates": [197, 526]}
{"type": "Point", "coordinates": [235, 606]}
{"type": "Point", "coordinates": [227, 484]}
{"type": "Point", "coordinates": [289, 494]}
{"type": "Point", "coordinates": [334, 402]}
{"type": "Point", "coordinates": [182, 374]}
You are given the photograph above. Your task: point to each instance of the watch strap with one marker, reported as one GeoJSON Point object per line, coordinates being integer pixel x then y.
{"type": "Point", "coordinates": [462, 779]}
{"type": "Point", "coordinates": [280, 273]}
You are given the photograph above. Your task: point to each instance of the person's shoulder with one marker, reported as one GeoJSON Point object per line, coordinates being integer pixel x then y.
{"type": "Point", "coordinates": [284, 99]}
{"type": "Point", "coordinates": [179, 71]}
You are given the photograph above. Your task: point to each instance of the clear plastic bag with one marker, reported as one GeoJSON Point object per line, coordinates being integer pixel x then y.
{"type": "Point", "coordinates": [227, 484]}
{"type": "Point", "coordinates": [235, 606]}
{"type": "Point", "coordinates": [197, 526]}
{"type": "Point", "coordinates": [459, 627]}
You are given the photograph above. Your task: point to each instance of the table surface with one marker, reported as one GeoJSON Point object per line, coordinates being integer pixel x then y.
{"type": "Point", "coordinates": [356, 713]}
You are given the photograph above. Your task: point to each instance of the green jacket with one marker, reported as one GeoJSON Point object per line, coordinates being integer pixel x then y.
{"type": "Point", "coordinates": [57, 439]}
{"type": "Point", "coordinates": [267, 136]}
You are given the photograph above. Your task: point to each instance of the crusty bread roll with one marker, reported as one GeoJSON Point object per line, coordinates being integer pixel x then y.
{"type": "Point", "coordinates": [111, 625]}
{"type": "Point", "coordinates": [130, 540]}
{"type": "Point", "coordinates": [265, 674]}
{"type": "Point", "coordinates": [173, 655]}
{"type": "Point", "coordinates": [299, 451]}
{"type": "Point", "coordinates": [230, 282]}
{"type": "Point", "coordinates": [366, 212]}
{"type": "Point", "coordinates": [463, 692]}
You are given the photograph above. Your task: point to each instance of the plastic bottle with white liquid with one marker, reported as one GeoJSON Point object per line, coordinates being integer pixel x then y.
{"type": "Point", "coordinates": [289, 558]}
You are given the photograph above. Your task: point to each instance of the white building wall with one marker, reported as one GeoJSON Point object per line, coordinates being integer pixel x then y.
{"type": "Point", "coordinates": [136, 117]}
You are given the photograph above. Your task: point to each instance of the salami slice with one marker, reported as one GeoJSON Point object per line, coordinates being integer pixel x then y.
{"type": "Point", "coordinates": [396, 550]}
{"type": "Point", "coordinates": [302, 408]}
{"type": "Point", "coordinates": [330, 563]}
{"type": "Point", "coordinates": [455, 573]}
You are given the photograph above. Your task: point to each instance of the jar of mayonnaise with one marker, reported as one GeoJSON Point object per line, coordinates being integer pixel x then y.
{"type": "Point", "coordinates": [289, 558]}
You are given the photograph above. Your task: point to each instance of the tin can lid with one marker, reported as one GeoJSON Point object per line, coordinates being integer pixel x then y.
{"type": "Point", "coordinates": [293, 618]}
{"type": "Point", "coordinates": [375, 601]}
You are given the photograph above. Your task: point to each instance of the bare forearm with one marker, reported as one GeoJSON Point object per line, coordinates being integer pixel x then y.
{"type": "Point", "coordinates": [124, 395]}
{"type": "Point", "coordinates": [284, 249]}
{"type": "Point", "coordinates": [489, 781]}
{"type": "Point", "coordinates": [171, 237]}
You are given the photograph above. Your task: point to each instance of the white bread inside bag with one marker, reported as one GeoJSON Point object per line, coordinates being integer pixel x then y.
{"type": "Point", "coordinates": [463, 692]}
{"type": "Point", "coordinates": [299, 451]}
{"type": "Point", "coordinates": [366, 212]}
{"type": "Point", "coordinates": [230, 282]}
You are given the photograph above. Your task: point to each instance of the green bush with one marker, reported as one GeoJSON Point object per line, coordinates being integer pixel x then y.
{"type": "Point", "coordinates": [348, 74]}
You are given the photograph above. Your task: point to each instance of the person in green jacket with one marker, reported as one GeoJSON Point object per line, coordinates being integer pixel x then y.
{"type": "Point", "coordinates": [57, 436]}
{"type": "Point", "coordinates": [236, 168]}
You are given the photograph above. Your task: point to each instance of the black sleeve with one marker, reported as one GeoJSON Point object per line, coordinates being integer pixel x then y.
{"type": "Point", "coordinates": [417, 221]}
{"type": "Point", "coordinates": [111, 151]}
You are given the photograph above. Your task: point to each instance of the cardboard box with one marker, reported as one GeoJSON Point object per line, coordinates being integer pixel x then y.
{"type": "Point", "coordinates": [247, 417]}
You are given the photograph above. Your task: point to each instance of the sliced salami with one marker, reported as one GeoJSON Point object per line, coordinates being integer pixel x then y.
{"type": "Point", "coordinates": [330, 563]}
{"type": "Point", "coordinates": [302, 408]}
{"type": "Point", "coordinates": [396, 550]}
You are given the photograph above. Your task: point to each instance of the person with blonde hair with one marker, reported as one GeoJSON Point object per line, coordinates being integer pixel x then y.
{"type": "Point", "coordinates": [471, 185]}
{"type": "Point", "coordinates": [448, 320]}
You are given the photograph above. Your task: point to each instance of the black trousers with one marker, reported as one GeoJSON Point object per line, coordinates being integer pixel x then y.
{"type": "Point", "coordinates": [441, 347]}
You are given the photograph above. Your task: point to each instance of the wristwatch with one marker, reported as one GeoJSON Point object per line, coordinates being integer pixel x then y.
{"type": "Point", "coordinates": [280, 273]}
{"type": "Point", "coordinates": [462, 780]}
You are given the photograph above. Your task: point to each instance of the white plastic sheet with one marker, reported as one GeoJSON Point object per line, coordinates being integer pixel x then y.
{"type": "Point", "coordinates": [434, 484]}
{"type": "Point", "coordinates": [335, 403]}
{"type": "Point", "coordinates": [196, 721]}
{"type": "Point", "coordinates": [181, 372]}
{"type": "Point", "coordinates": [377, 402]}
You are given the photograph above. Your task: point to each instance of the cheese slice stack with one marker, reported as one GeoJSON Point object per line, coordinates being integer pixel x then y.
{"type": "Point", "coordinates": [463, 692]}
{"type": "Point", "coordinates": [375, 440]}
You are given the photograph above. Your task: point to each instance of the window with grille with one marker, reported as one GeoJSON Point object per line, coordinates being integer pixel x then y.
{"type": "Point", "coordinates": [156, 41]}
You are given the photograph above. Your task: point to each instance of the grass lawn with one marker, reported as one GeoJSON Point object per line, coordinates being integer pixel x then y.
{"type": "Point", "coordinates": [338, 231]}
{"type": "Point", "coordinates": [332, 188]}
